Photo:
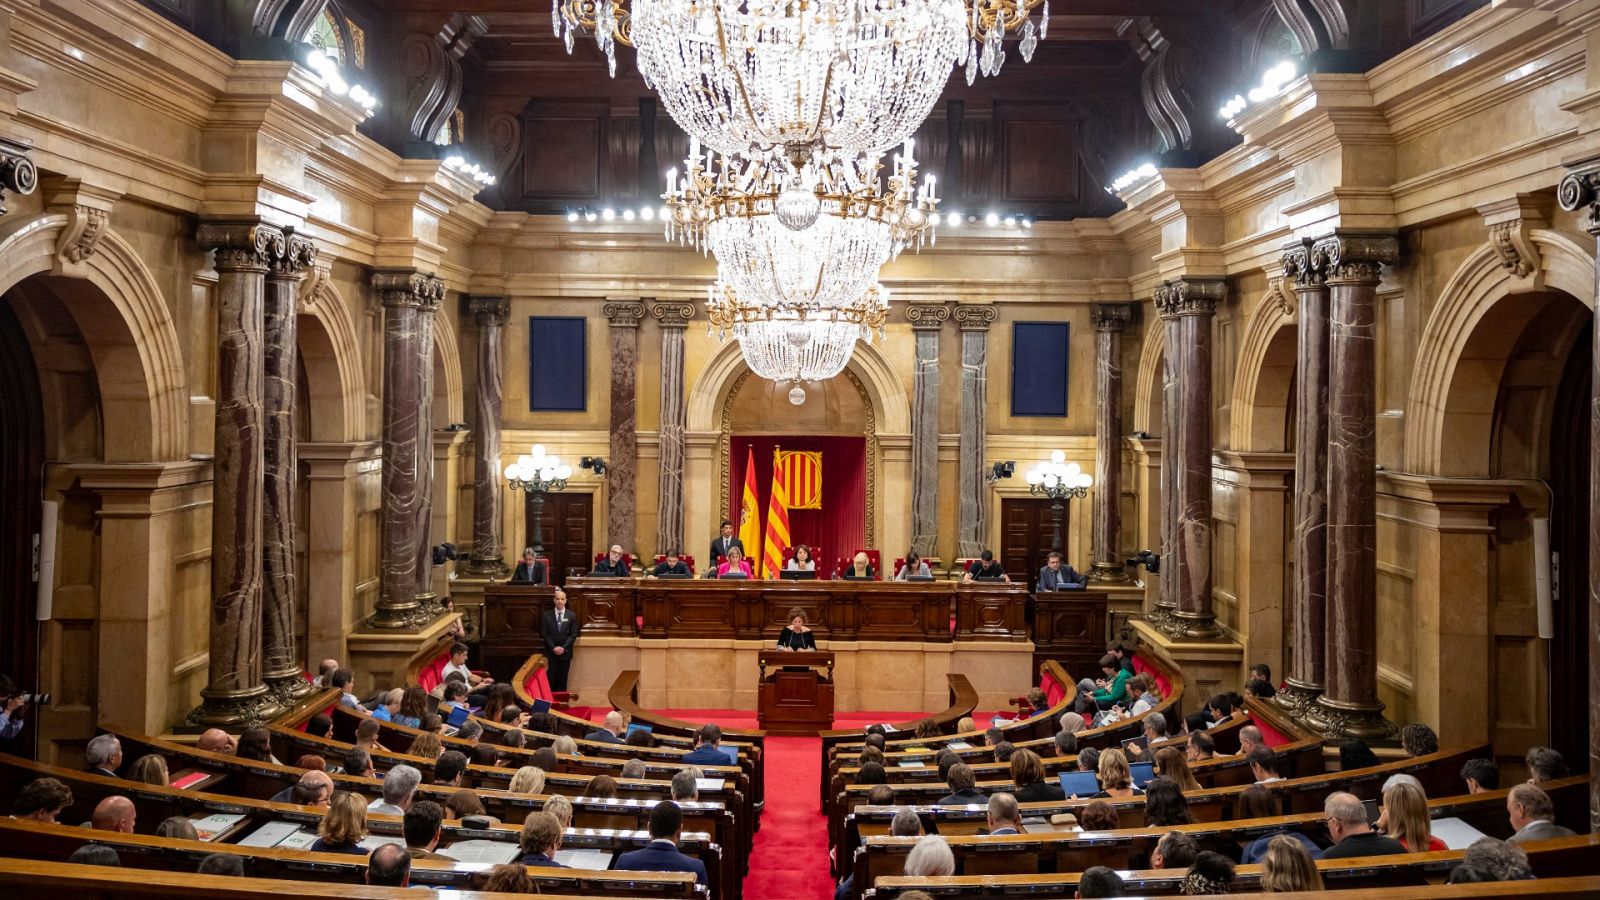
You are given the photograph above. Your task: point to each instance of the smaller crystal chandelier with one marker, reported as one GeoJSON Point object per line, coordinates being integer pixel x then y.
{"type": "Point", "coordinates": [795, 344]}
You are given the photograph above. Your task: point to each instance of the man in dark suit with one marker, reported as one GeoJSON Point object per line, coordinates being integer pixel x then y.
{"type": "Point", "coordinates": [613, 564]}
{"type": "Point", "coordinates": [1004, 816]}
{"type": "Point", "coordinates": [662, 854]}
{"type": "Point", "coordinates": [1351, 833]}
{"type": "Point", "coordinates": [963, 786]}
{"type": "Point", "coordinates": [541, 838]}
{"type": "Point", "coordinates": [724, 542]}
{"type": "Point", "coordinates": [706, 752]}
{"type": "Point", "coordinates": [103, 755]}
{"type": "Point", "coordinates": [559, 629]}
{"type": "Point", "coordinates": [672, 565]}
{"type": "Point", "coordinates": [529, 570]}
{"type": "Point", "coordinates": [1055, 574]}
{"type": "Point", "coordinates": [612, 731]}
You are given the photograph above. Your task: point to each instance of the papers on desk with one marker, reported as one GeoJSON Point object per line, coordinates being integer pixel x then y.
{"type": "Point", "coordinates": [215, 824]}
{"type": "Point", "coordinates": [270, 834]}
{"type": "Point", "coordinates": [912, 764]}
{"type": "Point", "coordinates": [300, 840]}
{"type": "Point", "coordinates": [1456, 834]}
{"type": "Point", "coordinates": [579, 858]}
{"type": "Point", "coordinates": [491, 853]}
{"type": "Point", "coordinates": [373, 841]}
{"type": "Point", "coordinates": [1001, 721]}
{"type": "Point", "coordinates": [959, 745]}
{"type": "Point", "coordinates": [708, 784]}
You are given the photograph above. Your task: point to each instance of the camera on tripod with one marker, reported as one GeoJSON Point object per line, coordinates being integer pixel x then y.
{"type": "Point", "coordinates": [1150, 561]}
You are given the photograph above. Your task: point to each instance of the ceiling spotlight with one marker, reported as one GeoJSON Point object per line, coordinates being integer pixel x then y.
{"type": "Point", "coordinates": [589, 216]}
{"type": "Point", "coordinates": [647, 213]}
{"type": "Point", "coordinates": [627, 215]}
{"type": "Point", "coordinates": [991, 220]}
{"type": "Point", "coordinates": [572, 215]}
{"type": "Point", "coordinates": [608, 214]}
{"type": "Point", "coordinates": [953, 219]}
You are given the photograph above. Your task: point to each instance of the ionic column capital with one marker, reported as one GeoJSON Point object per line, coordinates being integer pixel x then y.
{"type": "Point", "coordinates": [1190, 297]}
{"type": "Point", "coordinates": [1354, 257]}
{"type": "Point", "coordinates": [673, 314]}
{"type": "Point", "coordinates": [244, 245]}
{"type": "Point", "coordinates": [490, 312]}
{"type": "Point", "coordinates": [927, 316]}
{"type": "Point", "coordinates": [623, 313]}
{"type": "Point", "coordinates": [401, 288]}
{"type": "Point", "coordinates": [1111, 316]}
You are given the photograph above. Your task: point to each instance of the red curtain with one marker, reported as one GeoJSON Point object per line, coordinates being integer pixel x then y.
{"type": "Point", "coordinates": [840, 526]}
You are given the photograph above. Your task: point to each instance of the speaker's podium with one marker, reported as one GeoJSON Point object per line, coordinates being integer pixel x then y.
{"type": "Point", "coordinates": [796, 691]}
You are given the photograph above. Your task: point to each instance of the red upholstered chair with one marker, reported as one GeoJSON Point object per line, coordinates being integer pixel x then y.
{"type": "Point", "coordinates": [895, 569]}
{"type": "Point", "coordinates": [876, 558]}
{"type": "Point", "coordinates": [816, 557]}
{"type": "Point", "coordinates": [627, 559]}
{"type": "Point", "coordinates": [432, 674]}
{"type": "Point", "coordinates": [537, 684]}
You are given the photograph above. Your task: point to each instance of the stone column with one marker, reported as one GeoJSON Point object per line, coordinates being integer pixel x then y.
{"type": "Point", "coordinates": [1349, 705]}
{"type": "Point", "coordinates": [1308, 614]}
{"type": "Point", "coordinates": [235, 694]}
{"type": "Point", "coordinates": [281, 666]}
{"type": "Point", "coordinates": [1164, 616]}
{"type": "Point", "coordinates": [1188, 306]}
{"type": "Point", "coordinates": [974, 322]}
{"type": "Point", "coordinates": [674, 318]}
{"type": "Point", "coordinates": [622, 472]}
{"type": "Point", "coordinates": [927, 322]}
{"type": "Point", "coordinates": [488, 550]}
{"type": "Point", "coordinates": [404, 293]}
{"type": "Point", "coordinates": [1109, 320]}
{"type": "Point", "coordinates": [426, 310]}
{"type": "Point", "coordinates": [1581, 190]}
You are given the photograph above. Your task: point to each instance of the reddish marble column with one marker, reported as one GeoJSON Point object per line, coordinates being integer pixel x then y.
{"type": "Point", "coordinates": [235, 694]}
{"type": "Point", "coordinates": [622, 502]}
{"type": "Point", "coordinates": [674, 318]}
{"type": "Point", "coordinates": [972, 505]}
{"type": "Point", "coordinates": [404, 292]}
{"type": "Point", "coordinates": [1189, 307]}
{"type": "Point", "coordinates": [426, 310]}
{"type": "Point", "coordinates": [1110, 321]}
{"type": "Point", "coordinates": [488, 552]}
{"type": "Point", "coordinates": [927, 324]}
{"type": "Point", "coordinates": [1164, 615]}
{"type": "Point", "coordinates": [281, 666]}
{"type": "Point", "coordinates": [1349, 705]}
{"type": "Point", "coordinates": [1308, 612]}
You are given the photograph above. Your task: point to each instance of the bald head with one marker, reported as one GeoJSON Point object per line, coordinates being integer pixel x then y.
{"type": "Point", "coordinates": [114, 813]}
{"type": "Point", "coordinates": [216, 740]}
{"type": "Point", "coordinates": [314, 789]}
{"type": "Point", "coordinates": [1249, 739]}
{"type": "Point", "coordinates": [616, 723]}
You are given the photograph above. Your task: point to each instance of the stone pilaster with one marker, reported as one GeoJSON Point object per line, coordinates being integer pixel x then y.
{"type": "Point", "coordinates": [281, 666]}
{"type": "Point", "coordinates": [674, 319]}
{"type": "Point", "coordinates": [1110, 321]}
{"type": "Point", "coordinates": [235, 695]}
{"type": "Point", "coordinates": [974, 322]}
{"type": "Point", "coordinates": [622, 471]}
{"type": "Point", "coordinates": [1349, 705]}
{"type": "Point", "coordinates": [488, 550]}
{"type": "Point", "coordinates": [18, 175]}
{"type": "Point", "coordinates": [1188, 306]}
{"type": "Point", "coordinates": [927, 323]}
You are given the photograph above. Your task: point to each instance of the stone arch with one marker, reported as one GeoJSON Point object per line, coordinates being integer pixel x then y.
{"type": "Point", "coordinates": [1261, 401]}
{"type": "Point", "coordinates": [448, 403]}
{"type": "Point", "coordinates": [1449, 417]}
{"type": "Point", "coordinates": [125, 324]}
{"type": "Point", "coordinates": [1147, 384]}
{"type": "Point", "coordinates": [716, 382]}
{"type": "Point", "coordinates": [330, 349]}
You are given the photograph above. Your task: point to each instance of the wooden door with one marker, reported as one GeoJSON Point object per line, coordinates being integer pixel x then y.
{"type": "Point", "coordinates": [1025, 532]}
{"type": "Point", "coordinates": [21, 460]}
{"type": "Point", "coordinates": [568, 531]}
{"type": "Point", "coordinates": [1569, 541]}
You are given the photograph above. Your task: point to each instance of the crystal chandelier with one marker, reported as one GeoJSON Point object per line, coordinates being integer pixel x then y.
{"type": "Point", "coordinates": [799, 76]}
{"type": "Point", "coordinates": [796, 343]}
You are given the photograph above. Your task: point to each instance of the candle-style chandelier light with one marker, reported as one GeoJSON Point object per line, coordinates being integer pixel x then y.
{"type": "Point", "coordinates": [791, 344]}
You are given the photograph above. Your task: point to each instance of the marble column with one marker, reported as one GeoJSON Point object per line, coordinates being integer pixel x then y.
{"type": "Point", "coordinates": [1349, 705]}
{"type": "Point", "coordinates": [1110, 321]}
{"type": "Point", "coordinates": [426, 310]}
{"type": "Point", "coordinates": [674, 319]}
{"type": "Point", "coordinates": [622, 471]}
{"type": "Point", "coordinates": [1308, 612]}
{"type": "Point", "coordinates": [1580, 191]}
{"type": "Point", "coordinates": [488, 551]}
{"type": "Point", "coordinates": [927, 323]}
{"type": "Point", "coordinates": [235, 695]}
{"type": "Point", "coordinates": [1188, 307]}
{"type": "Point", "coordinates": [972, 507]}
{"type": "Point", "coordinates": [404, 293]}
{"type": "Point", "coordinates": [1164, 615]}
{"type": "Point", "coordinates": [281, 665]}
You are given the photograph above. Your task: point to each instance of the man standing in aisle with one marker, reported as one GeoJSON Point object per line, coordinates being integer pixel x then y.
{"type": "Point", "coordinates": [560, 632]}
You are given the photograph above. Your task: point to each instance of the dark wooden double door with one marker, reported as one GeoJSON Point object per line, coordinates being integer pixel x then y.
{"type": "Point", "coordinates": [567, 527]}
{"type": "Point", "coordinates": [1026, 529]}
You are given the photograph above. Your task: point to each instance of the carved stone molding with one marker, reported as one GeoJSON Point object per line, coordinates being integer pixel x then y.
{"type": "Point", "coordinates": [1511, 223]}
{"type": "Point", "coordinates": [927, 317]}
{"type": "Point", "coordinates": [623, 313]}
{"type": "Point", "coordinates": [1111, 316]}
{"type": "Point", "coordinates": [1190, 297]}
{"type": "Point", "coordinates": [295, 258]}
{"type": "Point", "coordinates": [490, 312]}
{"type": "Point", "coordinates": [1581, 188]}
{"type": "Point", "coordinates": [432, 67]}
{"type": "Point", "coordinates": [318, 278]}
{"type": "Point", "coordinates": [673, 314]}
{"type": "Point", "coordinates": [975, 318]}
{"type": "Point", "coordinates": [17, 172]}
{"type": "Point", "coordinates": [243, 246]}
{"type": "Point", "coordinates": [1301, 267]}
{"type": "Point", "coordinates": [1355, 258]}
{"type": "Point", "coordinates": [408, 287]}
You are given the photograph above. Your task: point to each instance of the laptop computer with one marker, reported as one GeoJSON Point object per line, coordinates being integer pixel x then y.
{"type": "Point", "coordinates": [458, 717]}
{"type": "Point", "coordinates": [923, 578]}
{"type": "Point", "coordinates": [1139, 742]}
{"type": "Point", "coordinates": [1143, 773]}
{"type": "Point", "coordinates": [1080, 784]}
{"type": "Point", "coordinates": [540, 707]}
{"type": "Point", "coordinates": [733, 576]}
{"type": "Point", "coordinates": [678, 575]}
{"type": "Point", "coordinates": [797, 575]}
{"type": "Point", "coordinates": [1069, 586]}
{"type": "Point", "coordinates": [989, 578]}
{"type": "Point", "coordinates": [635, 726]}
{"type": "Point", "coordinates": [731, 753]}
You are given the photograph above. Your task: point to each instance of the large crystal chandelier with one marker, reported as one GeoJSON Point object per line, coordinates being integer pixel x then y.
{"type": "Point", "coordinates": [798, 76]}
{"type": "Point", "coordinates": [793, 344]}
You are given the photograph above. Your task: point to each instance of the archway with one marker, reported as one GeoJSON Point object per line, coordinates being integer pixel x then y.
{"type": "Point", "coordinates": [21, 473]}
{"type": "Point", "coordinates": [1263, 388]}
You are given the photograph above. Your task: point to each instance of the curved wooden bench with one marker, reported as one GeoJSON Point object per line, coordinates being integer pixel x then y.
{"type": "Point", "coordinates": [963, 701]}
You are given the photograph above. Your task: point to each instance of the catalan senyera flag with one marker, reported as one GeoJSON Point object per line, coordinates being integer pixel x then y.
{"type": "Point", "coordinates": [777, 520]}
{"type": "Point", "coordinates": [750, 509]}
{"type": "Point", "coordinates": [802, 478]}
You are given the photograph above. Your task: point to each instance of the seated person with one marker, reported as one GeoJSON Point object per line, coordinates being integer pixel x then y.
{"type": "Point", "coordinates": [801, 561]}
{"type": "Point", "coordinates": [860, 567]}
{"type": "Point", "coordinates": [1056, 573]}
{"type": "Point", "coordinates": [1533, 815]}
{"type": "Point", "coordinates": [963, 786]}
{"type": "Point", "coordinates": [1480, 775]}
{"type": "Point", "coordinates": [1264, 765]}
{"type": "Point", "coordinates": [1004, 816]}
{"type": "Point", "coordinates": [616, 725]}
{"type": "Point", "coordinates": [1113, 688]}
{"type": "Point", "coordinates": [1100, 881]}
{"type": "Point", "coordinates": [458, 664]}
{"type": "Point", "coordinates": [1260, 683]}
{"type": "Point", "coordinates": [913, 566]}
{"type": "Point", "coordinates": [422, 830]}
{"type": "Point", "coordinates": [1027, 774]}
{"type": "Point", "coordinates": [530, 570]}
{"type": "Point", "coordinates": [1249, 740]}
{"type": "Point", "coordinates": [1258, 802]}
{"type": "Point", "coordinates": [344, 826]}
{"type": "Point", "coordinates": [117, 813]}
{"type": "Point", "coordinates": [735, 563]}
{"type": "Point", "coordinates": [43, 800]}
{"type": "Point", "coordinates": [1200, 747]}
{"type": "Point", "coordinates": [796, 635]}
{"type": "Point", "coordinates": [1418, 739]}
{"type": "Point", "coordinates": [613, 564]}
{"type": "Point", "coordinates": [1116, 782]}
{"type": "Point", "coordinates": [1544, 764]}
{"type": "Point", "coordinates": [707, 744]}
{"type": "Point", "coordinates": [985, 567]}
{"type": "Point", "coordinates": [672, 565]}
{"type": "Point", "coordinates": [662, 854]}
{"type": "Point", "coordinates": [541, 838]}
{"type": "Point", "coordinates": [1404, 817]}
{"type": "Point", "coordinates": [1351, 833]}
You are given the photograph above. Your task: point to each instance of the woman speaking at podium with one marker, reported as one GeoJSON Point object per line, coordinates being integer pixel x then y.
{"type": "Point", "coordinates": [797, 636]}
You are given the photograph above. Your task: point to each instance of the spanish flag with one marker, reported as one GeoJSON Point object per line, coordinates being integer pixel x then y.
{"type": "Point", "coordinates": [777, 520]}
{"type": "Point", "coordinates": [750, 510]}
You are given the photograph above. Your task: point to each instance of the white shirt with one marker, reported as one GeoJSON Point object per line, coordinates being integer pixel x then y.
{"type": "Point", "coordinates": [1145, 703]}
{"type": "Point", "coordinates": [452, 667]}
{"type": "Point", "coordinates": [795, 565]}
{"type": "Point", "coordinates": [384, 809]}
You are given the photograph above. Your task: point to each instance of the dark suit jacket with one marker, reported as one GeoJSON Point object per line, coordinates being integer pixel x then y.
{"type": "Point", "coordinates": [963, 797]}
{"type": "Point", "coordinates": [705, 756]}
{"type": "Point", "coordinates": [1039, 792]}
{"type": "Point", "coordinates": [1368, 843]}
{"type": "Point", "coordinates": [539, 859]}
{"type": "Point", "coordinates": [101, 770]}
{"type": "Point", "coordinates": [603, 735]}
{"type": "Point", "coordinates": [606, 567]}
{"type": "Point", "coordinates": [523, 575]}
{"type": "Point", "coordinates": [661, 856]}
{"type": "Point", "coordinates": [806, 641]}
{"type": "Point", "coordinates": [682, 568]}
{"type": "Point", "coordinates": [718, 550]}
{"type": "Point", "coordinates": [1048, 580]}
{"type": "Point", "coordinates": [559, 636]}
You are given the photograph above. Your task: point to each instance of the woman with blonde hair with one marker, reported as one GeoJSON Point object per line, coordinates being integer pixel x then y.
{"type": "Point", "coordinates": [1405, 818]}
{"type": "Point", "coordinates": [344, 825]}
{"type": "Point", "coordinates": [1115, 779]}
{"type": "Point", "coordinates": [967, 724]}
{"type": "Point", "coordinates": [561, 808]}
{"type": "Point", "coordinates": [150, 769]}
{"type": "Point", "coordinates": [427, 746]}
{"type": "Point", "coordinates": [565, 746]}
{"type": "Point", "coordinates": [527, 780]}
{"type": "Point", "coordinates": [1171, 763]}
{"type": "Point", "coordinates": [1288, 866]}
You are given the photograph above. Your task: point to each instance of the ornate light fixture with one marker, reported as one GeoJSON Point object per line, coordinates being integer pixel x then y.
{"type": "Point", "coordinates": [1058, 480]}
{"type": "Point", "coordinates": [538, 473]}
{"type": "Point", "coordinates": [788, 343]}
{"type": "Point", "coordinates": [801, 76]}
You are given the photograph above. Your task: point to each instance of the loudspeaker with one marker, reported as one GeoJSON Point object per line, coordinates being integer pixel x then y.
{"type": "Point", "coordinates": [45, 574]}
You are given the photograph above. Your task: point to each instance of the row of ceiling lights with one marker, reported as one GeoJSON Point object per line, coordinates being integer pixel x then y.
{"type": "Point", "coordinates": [651, 214]}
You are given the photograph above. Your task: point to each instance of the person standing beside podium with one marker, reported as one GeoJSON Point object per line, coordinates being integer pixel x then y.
{"type": "Point", "coordinates": [724, 543]}
{"type": "Point", "coordinates": [797, 636]}
{"type": "Point", "coordinates": [559, 629]}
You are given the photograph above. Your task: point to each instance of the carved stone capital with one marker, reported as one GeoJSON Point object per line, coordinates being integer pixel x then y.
{"type": "Point", "coordinates": [673, 314]}
{"type": "Point", "coordinates": [1303, 269]}
{"type": "Point", "coordinates": [623, 313]}
{"type": "Point", "coordinates": [1190, 297]}
{"type": "Point", "coordinates": [408, 287]}
{"type": "Point", "coordinates": [974, 318]}
{"type": "Point", "coordinates": [1353, 258]}
{"type": "Point", "coordinates": [927, 316]}
{"type": "Point", "coordinates": [1111, 316]}
{"type": "Point", "coordinates": [17, 172]}
{"type": "Point", "coordinates": [490, 312]}
{"type": "Point", "coordinates": [296, 259]}
{"type": "Point", "coordinates": [242, 246]}
{"type": "Point", "coordinates": [1581, 189]}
